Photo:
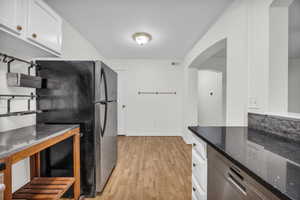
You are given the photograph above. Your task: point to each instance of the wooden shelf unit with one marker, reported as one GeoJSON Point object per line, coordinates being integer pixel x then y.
{"type": "Point", "coordinates": [44, 188]}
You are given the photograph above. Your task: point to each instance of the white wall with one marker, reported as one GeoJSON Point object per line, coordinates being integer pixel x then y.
{"type": "Point", "coordinates": [278, 71]}
{"type": "Point", "coordinates": [232, 25]}
{"type": "Point", "coordinates": [258, 54]}
{"type": "Point", "coordinates": [213, 71]}
{"type": "Point", "coordinates": [294, 83]}
{"type": "Point", "coordinates": [246, 26]}
{"type": "Point", "coordinates": [74, 46]}
{"type": "Point", "coordinates": [190, 101]}
{"type": "Point", "coordinates": [152, 114]}
{"type": "Point", "coordinates": [268, 60]}
{"type": "Point", "coordinates": [210, 98]}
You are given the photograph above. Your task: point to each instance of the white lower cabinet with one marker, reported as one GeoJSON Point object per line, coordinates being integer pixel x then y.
{"type": "Point", "coordinates": [199, 169]}
{"type": "Point", "coordinates": [200, 147]}
{"type": "Point", "coordinates": [197, 191]}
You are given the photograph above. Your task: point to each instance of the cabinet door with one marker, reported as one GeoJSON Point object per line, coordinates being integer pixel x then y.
{"type": "Point", "coordinates": [12, 15]}
{"type": "Point", "coordinates": [44, 26]}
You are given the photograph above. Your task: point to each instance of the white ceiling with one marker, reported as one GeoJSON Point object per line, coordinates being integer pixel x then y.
{"type": "Point", "coordinates": [294, 29]}
{"type": "Point", "coordinates": [176, 25]}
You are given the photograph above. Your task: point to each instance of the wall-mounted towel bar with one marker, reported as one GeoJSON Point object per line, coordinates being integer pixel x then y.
{"type": "Point", "coordinates": [156, 93]}
{"type": "Point", "coordinates": [10, 97]}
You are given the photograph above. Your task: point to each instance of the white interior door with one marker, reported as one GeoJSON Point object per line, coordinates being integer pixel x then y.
{"type": "Point", "coordinates": [210, 98]}
{"type": "Point", "coordinates": [122, 103]}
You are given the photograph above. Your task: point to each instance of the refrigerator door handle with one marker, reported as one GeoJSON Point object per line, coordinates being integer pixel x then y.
{"type": "Point", "coordinates": [101, 102]}
{"type": "Point", "coordinates": [105, 121]}
{"type": "Point", "coordinates": [103, 77]}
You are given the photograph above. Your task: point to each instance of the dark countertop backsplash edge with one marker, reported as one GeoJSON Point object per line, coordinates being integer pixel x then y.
{"type": "Point", "coordinates": [287, 127]}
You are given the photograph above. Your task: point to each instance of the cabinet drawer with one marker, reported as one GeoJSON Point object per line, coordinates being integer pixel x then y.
{"type": "Point", "coordinates": [199, 169]}
{"type": "Point", "coordinates": [194, 197]}
{"type": "Point", "coordinates": [197, 192]}
{"type": "Point", "coordinates": [200, 147]}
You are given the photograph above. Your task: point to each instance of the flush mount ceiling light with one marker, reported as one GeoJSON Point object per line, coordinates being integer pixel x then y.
{"type": "Point", "coordinates": [142, 38]}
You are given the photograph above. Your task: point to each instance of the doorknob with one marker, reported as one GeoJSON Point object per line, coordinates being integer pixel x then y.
{"type": "Point", "coordinates": [123, 106]}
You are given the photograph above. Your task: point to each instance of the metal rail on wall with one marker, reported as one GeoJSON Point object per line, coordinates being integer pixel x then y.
{"type": "Point", "coordinates": [8, 60]}
{"type": "Point", "coordinates": [10, 97]}
{"type": "Point", "coordinates": [20, 79]}
{"type": "Point", "coordinates": [157, 93]}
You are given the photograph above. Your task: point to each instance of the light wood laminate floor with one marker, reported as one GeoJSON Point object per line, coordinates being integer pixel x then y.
{"type": "Point", "coordinates": [150, 168]}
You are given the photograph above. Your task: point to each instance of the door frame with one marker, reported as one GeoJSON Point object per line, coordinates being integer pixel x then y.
{"type": "Point", "coordinates": [123, 71]}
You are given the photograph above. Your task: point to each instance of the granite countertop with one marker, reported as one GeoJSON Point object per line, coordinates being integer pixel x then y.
{"type": "Point", "coordinates": [19, 139]}
{"type": "Point", "coordinates": [271, 160]}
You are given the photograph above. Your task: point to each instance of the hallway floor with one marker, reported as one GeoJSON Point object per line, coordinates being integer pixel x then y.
{"type": "Point", "coordinates": [150, 168]}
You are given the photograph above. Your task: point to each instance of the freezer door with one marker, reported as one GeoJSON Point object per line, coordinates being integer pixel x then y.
{"type": "Point", "coordinates": [97, 74]}
{"type": "Point", "coordinates": [111, 82]}
{"type": "Point", "coordinates": [105, 83]}
{"type": "Point", "coordinates": [107, 143]}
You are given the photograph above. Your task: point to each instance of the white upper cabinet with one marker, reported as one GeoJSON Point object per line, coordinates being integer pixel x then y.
{"type": "Point", "coordinates": [12, 16]}
{"type": "Point", "coordinates": [32, 21]}
{"type": "Point", "coordinates": [44, 25]}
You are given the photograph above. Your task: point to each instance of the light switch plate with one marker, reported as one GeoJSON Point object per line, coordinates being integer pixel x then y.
{"type": "Point", "coordinates": [253, 103]}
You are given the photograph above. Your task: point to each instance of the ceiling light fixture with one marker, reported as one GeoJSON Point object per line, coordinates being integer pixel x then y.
{"type": "Point", "coordinates": [142, 38]}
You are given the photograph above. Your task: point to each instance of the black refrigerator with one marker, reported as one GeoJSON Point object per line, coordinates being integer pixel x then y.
{"type": "Point", "coordinates": [84, 93]}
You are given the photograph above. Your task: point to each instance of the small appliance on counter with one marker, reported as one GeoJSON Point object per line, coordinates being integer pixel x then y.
{"type": "Point", "coordinates": [84, 93]}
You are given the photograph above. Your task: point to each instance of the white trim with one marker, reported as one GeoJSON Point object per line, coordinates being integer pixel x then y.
{"type": "Point", "coordinates": [152, 134]}
{"type": "Point", "coordinates": [186, 139]}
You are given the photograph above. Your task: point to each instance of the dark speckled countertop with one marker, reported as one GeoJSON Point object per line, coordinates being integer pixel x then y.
{"type": "Point", "coordinates": [18, 139]}
{"type": "Point", "coordinates": [271, 160]}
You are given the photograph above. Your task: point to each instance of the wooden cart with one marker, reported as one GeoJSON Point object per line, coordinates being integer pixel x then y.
{"type": "Point", "coordinates": [43, 187]}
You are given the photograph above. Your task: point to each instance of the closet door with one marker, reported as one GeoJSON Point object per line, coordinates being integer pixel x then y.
{"type": "Point", "coordinates": [12, 16]}
{"type": "Point", "coordinates": [44, 26]}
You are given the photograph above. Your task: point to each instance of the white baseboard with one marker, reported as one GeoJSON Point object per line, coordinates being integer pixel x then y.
{"type": "Point", "coordinates": [185, 139]}
{"type": "Point", "coordinates": [152, 134]}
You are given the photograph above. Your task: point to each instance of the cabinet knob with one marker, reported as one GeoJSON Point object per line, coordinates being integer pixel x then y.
{"type": "Point", "coordinates": [194, 144]}
{"type": "Point", "coordinates": [194, 165]}
{"type": "Point", "coordinates": [194, 189]}
{"type": "Point", "coordinates": [19, 28]}
{"type": "Point", "coordinates": [34, 35]}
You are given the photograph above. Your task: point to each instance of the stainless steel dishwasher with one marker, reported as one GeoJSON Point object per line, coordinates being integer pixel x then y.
{"type": "Point", "coordinates": [228, 182]}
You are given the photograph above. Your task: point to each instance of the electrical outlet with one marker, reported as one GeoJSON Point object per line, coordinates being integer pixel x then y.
{"type": "Point", "coordinates": [253, 103]}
